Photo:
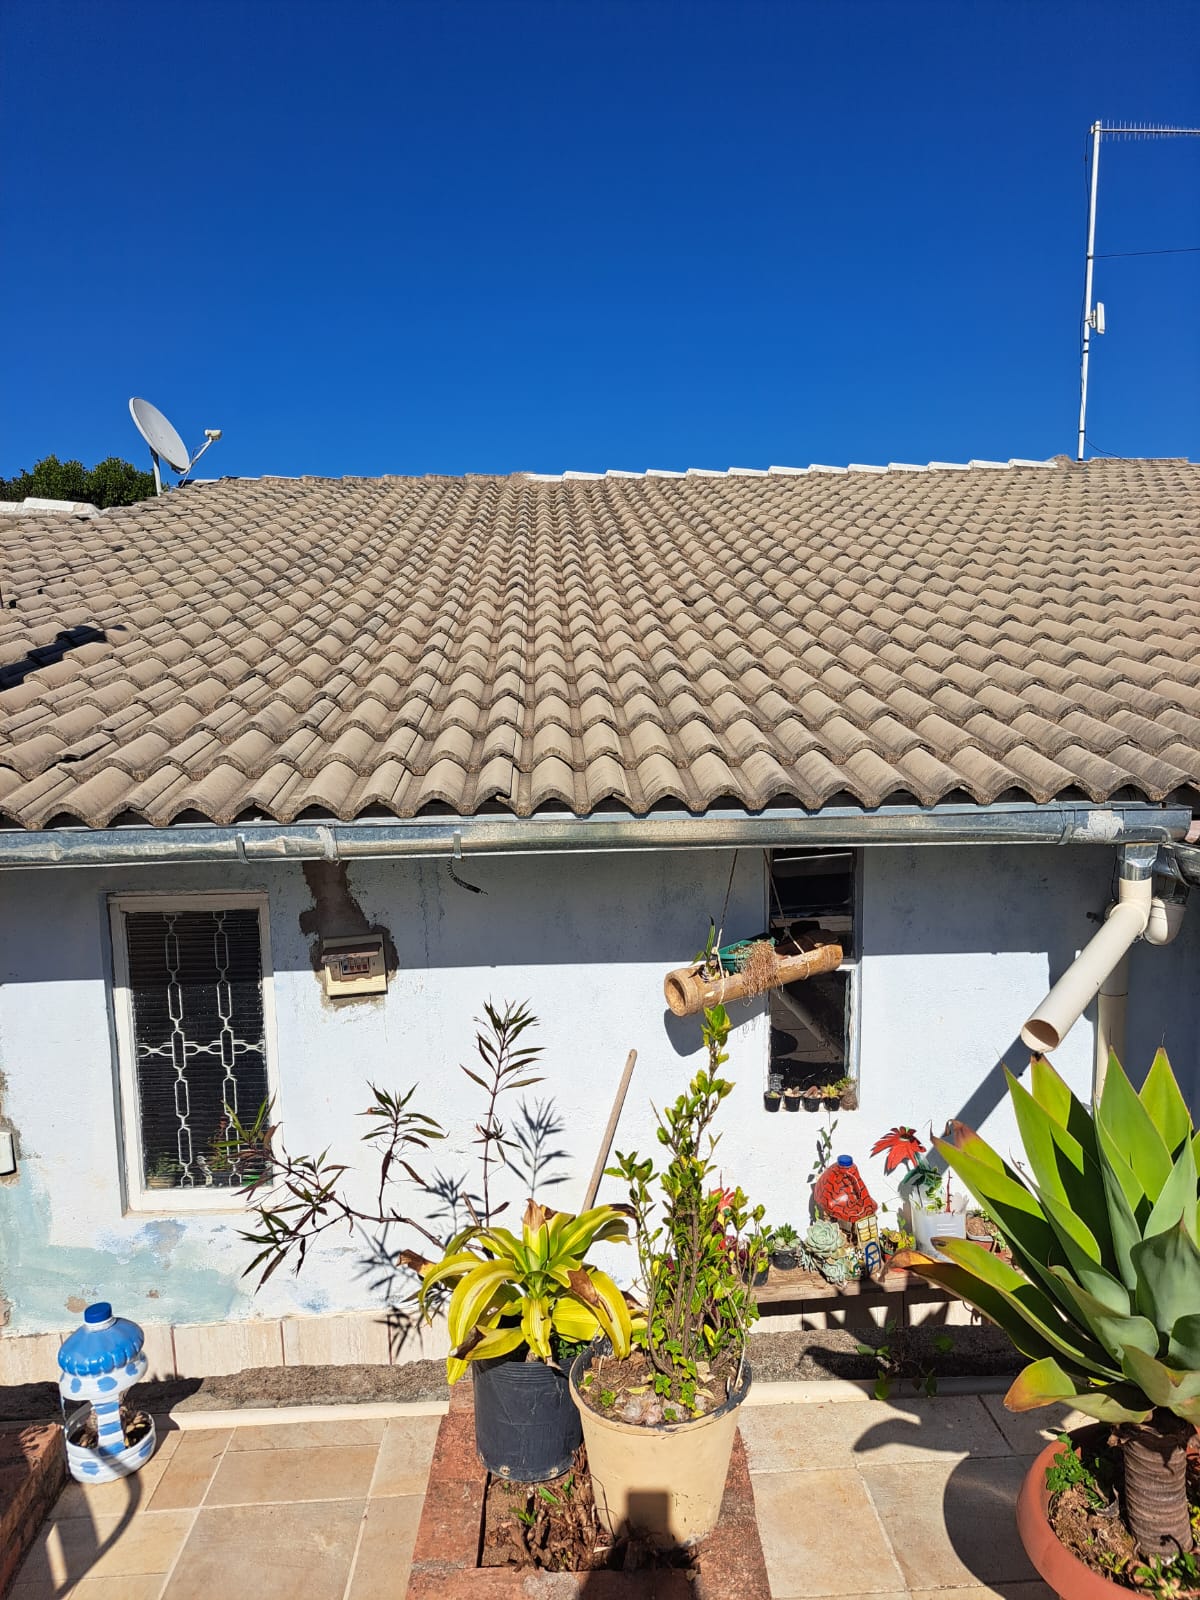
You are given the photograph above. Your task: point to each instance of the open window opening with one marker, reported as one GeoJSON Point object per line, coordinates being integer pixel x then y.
{"type": "Point", "coordinates": [814, 1034]}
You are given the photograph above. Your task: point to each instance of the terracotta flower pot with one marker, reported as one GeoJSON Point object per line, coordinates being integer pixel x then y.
{"type": "Point", "coordinates": [1064, 1572]}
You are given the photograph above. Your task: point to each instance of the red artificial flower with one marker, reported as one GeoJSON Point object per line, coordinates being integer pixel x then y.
{"type": "Point", "coordinates": [901, 1145]}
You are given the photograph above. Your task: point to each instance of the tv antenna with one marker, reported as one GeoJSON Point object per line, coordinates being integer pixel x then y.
{"type": "Point", "coordinates": [165, 442]}
{"type": "Point", "coordinates": [1093, 314]}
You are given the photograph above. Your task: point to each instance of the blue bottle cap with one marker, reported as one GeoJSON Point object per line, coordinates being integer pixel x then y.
{"type": "Point", "coordinates": [100, 1312]}
{"type": "Point", "coordinates": [845, 1161]}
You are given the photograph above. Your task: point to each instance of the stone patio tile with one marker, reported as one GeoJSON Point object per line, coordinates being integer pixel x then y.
{"type": "Point", "coordinates": [262, 1477]}
{"type": "Point", "coordinates": [147, 1586]}
{"type": "Point", "coordinates": [953, 1526]}
{"type": "Point", "coordinates": [818, 1528]}
{"type": "Point", "coordinates": [1028, 1432]}
{"type": "Point", "coordinates": [111, 1499]}
{"type": "Point", "coordinates": [67, 1552]}
{"type": "Point", "coordinates": [189, 1470]}
{"type": "Point", "coordinates": [1001, 1591]}
{"type": "Point", "coordinates": [308, 1435]}
{"type": "Point", "coordinates": [795, 1438]}
{"type": "Point", "coordinates": [404, 1456]}
{"type": "Point", "coordinates": [385, 1549]}
{"type": "Point", "coordinates": [278, 1552]}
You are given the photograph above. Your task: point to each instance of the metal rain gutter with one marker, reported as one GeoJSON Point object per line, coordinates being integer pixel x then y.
{"type": "Point", "coordinates": [1068, 823]}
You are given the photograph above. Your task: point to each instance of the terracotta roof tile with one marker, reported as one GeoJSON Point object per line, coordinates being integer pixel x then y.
{"type": "Point", "coordinates": [319, 647]}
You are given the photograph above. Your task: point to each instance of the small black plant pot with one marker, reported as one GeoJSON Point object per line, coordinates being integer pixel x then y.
{"type": "Point", "coordinates": [757, 1279]}
{"type": "Point", "coordinates": [771, 1101]}
{"type": "Point", "coordinates": [784, 1260]}
{"type": "Point", "coordinates": [791, 1102]}
{"type": "Point", "coordinates": [526, 1425]}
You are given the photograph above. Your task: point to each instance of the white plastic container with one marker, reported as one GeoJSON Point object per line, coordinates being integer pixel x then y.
{"type": "Point", "coordinates": [931, 1225]}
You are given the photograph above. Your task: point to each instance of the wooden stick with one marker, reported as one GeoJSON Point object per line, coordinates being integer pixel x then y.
{"type": "Point", "coordinates": [606, 1143]}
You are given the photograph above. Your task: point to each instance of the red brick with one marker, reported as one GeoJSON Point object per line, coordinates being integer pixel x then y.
{"type": "Point", "coordinates": [33, 1466]}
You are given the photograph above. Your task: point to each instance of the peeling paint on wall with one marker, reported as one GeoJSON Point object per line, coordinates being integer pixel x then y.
{"type": "Point", "coordinates": [9, 1126]}
{"type": "Point", "coordinates": [158, 1258]}
{"type": "Point", "coordinates": [336, 914]}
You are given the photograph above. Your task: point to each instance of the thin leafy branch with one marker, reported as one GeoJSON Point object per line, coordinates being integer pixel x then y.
{"type": "Point", "coordinates": [302, 1196]}
{"type": "Point", "coordinates": [296, 1199]}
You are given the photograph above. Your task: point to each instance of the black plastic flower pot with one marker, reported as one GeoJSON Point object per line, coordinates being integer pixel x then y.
{"type": "Point", "coordinates": [771, 1101]}
{"type": "Point", "coordinates": [783, 1260]}
{"type": "Point", "coordinates": [526, 1425]}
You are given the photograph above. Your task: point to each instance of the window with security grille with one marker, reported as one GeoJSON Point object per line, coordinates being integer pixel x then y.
{"type": "Point", "coordinates": [814, 1046]}
{"type": "Point", "coordinates": [195, 1037]}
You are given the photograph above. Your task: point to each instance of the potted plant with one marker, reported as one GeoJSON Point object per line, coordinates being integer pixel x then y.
{"type": "Point", "coordinates": [773, 1094]}
{"type": "Point", "coordinates": [659, 1423]}
{"type": "Point", "coordinates": [515, 1302]}
{"type": "Point", "coordinates": [785, 1248]}
{"type": "Point", "coordinates": [1102, 1295]}
{"type": "Point", "coordinates": [164, 1173]}
{"type": "Point", "coordinates": [926, 1190]}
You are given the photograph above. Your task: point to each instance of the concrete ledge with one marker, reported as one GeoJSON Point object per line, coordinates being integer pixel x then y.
{"type": "Point", "coordinates": [275, 1416]}
{"type": "Point", "coordinates": [819, 1391]}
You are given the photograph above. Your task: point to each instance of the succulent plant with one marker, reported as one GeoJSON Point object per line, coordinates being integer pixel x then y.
{"type": "Point", "coordinates": [1103, 1295]}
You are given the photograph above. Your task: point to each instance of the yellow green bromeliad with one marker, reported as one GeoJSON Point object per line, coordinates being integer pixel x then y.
{"type": "Point", "coordinates": [512, 1291]}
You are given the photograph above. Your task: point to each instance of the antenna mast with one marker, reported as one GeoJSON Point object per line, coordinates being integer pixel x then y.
{"type": "Point", "coordinates": [1093, 315]}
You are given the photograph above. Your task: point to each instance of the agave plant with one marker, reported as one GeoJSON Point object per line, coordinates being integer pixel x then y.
{"type": "Point", "coordinates": [511, 1291]}
{"type": "Point", "coordinates": [1104, 1292]}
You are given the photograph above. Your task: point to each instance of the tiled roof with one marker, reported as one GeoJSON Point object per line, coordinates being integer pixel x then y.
{"type": "Point", "coordinates": [294, 647]}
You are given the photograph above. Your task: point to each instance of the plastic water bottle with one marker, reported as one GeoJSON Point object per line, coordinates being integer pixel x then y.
{"type": "Point", "coordinates": [100, 1363]}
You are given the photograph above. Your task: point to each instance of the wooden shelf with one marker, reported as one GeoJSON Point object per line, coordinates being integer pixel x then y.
{"type": "Point", "coordinates": [797, 1284]}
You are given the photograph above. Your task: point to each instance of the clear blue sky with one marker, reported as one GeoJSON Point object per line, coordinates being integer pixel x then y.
{"type": "Point", "coordinates": [367, 238]}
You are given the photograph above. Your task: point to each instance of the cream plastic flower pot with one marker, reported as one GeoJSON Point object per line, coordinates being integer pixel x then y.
{"type": "Point", "coordinates": [666, 1481]}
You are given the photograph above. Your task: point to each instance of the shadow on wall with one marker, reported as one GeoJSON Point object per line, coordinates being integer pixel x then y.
{"type": "Point", "coordinates": [962, 901]}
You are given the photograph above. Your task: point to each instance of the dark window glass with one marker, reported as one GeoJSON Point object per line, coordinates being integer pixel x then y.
{"type": "Point", "coordinates": [812, 1045]}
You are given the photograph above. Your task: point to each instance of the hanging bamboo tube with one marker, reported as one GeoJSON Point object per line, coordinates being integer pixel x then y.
{"type": "Point", "coordinates": [689, 991]}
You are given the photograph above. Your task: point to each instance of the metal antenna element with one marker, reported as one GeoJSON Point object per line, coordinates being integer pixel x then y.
{"type": "Point", "coordinates": [1093, 314]}
{"type": "Point", "coordinates": [165, 442]}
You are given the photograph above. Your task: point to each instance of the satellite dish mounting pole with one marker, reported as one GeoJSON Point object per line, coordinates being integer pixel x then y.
{"type": "Point", "coordinates": [1088, 314]}
{"type": "Point", "coordinates": [158, 488]}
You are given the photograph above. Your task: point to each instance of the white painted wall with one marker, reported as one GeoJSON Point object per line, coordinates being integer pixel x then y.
{"type": "Point", "coordinates": [958, 946]}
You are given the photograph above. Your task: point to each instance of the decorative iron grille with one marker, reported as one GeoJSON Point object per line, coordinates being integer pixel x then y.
{"type": "Point", "coordinates": [195, 980]}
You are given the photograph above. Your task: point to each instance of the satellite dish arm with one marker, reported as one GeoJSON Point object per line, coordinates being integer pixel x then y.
{"type": "Point", "coordinates": [211, 435]}
{"type": "Point", "coordinates": [158, 488]}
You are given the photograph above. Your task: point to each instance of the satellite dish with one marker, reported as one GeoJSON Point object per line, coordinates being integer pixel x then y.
{"type": "Point", "coordinates": [164, 441]}
{"type": "Point", "coordinates": [159, 434]}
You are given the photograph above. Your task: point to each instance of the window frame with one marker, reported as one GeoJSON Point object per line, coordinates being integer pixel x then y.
{"type": "Point", "coordinates": [851, 965]}
{"type": "Point", "coordinates": [136, 1195]}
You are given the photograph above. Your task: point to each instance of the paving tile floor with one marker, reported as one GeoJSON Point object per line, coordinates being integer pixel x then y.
{"type": "Point", "coordinates": [908, 1500]}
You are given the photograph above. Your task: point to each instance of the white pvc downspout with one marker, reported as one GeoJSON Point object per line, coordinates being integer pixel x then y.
{"type": "Point", "coordinates": [1101, 970]}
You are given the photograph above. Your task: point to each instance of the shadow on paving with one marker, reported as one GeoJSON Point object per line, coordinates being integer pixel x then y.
{"type": "Point", "coordinates": [924, 1509]}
